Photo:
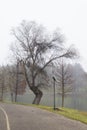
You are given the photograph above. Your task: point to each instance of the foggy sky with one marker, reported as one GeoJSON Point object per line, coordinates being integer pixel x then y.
{"type": "Point", "coordinates": [68, 15]}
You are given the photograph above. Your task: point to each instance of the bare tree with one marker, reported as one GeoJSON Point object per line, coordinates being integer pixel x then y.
{"type": "Point", "coordinates": [3, 87]}
{"type": "Point", "coordinates": [20, 80]}
{"type": "Point", "coordinates": [16, 80]}
{"type": "Point", "coordinates": [64, 79]}
{"type": "Point", "coordinates": [36, 49]}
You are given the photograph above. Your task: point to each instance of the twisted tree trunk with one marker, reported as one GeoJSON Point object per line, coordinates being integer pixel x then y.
{"type": "Point", "coordinates": [37, 92]}
{"type": "Point", "coordinates": [38, 95]}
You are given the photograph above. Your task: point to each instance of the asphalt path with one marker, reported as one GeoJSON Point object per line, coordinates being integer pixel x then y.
{"type": "Point", "coordinates": [29, 118]}
{"type": "Point", "coordinates": [3, 125]}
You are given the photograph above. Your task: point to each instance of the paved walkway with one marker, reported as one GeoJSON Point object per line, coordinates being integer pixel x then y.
{"type": "Point", "coordinates": [29, 118]}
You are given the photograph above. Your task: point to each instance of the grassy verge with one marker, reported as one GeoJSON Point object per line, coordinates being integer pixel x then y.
{"type": "Point", "coordinates": [74, 114]}
{"type": "Point", "coordinates": [67, 112]}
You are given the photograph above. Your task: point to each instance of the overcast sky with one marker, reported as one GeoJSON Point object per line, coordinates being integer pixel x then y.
{"type": "Point", "coordinates": [69, 15]}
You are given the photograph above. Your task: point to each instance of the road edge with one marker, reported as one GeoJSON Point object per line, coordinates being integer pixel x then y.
{"type": "Point", "coordinates": [7, 120]}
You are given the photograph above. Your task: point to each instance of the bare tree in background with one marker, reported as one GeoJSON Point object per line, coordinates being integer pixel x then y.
{"type": "Point", "coordinates": [36, 49]}
{"type": "Point", "coordinates": [3, 87]}
{"type": "Point", "coordinates": [16, 80]}
{"type": "Point", "coordinates": [20, 80]}
{"type": "Point", "coordinates": [64, 79]}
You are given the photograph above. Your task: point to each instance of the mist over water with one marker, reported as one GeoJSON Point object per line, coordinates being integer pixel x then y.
{"type": "Point", "coordinates": [71, 101]}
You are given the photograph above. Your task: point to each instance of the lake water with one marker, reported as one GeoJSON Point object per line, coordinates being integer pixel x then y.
{"type": "Point", "coordinates": [76, 101]}
{"type": "Point", "coordinates": [72, 101]}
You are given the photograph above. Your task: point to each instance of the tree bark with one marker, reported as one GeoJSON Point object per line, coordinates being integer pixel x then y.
{"type": "Point", "coordinates": [62, 99]}
{"type": "Point", "coordinates": [16, 89]}
{"type": "Point", "coordinates": [11, 96]}
{"type": "Point", "coordinates": [38, 95]}
{"type": "Point", "coordinates": [2, 93]}
{"type": "Point", "coordinates": [62, 84]}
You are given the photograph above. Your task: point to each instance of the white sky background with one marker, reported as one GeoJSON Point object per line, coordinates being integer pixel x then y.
{"type": "Point", "coordinates": [69, 15]}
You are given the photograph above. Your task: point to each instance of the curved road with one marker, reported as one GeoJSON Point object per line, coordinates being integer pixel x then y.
{"type": "Point", "coordinates": [29, 118]}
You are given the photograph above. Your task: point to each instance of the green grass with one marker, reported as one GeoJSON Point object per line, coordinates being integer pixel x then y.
{"type": "Point", "coordinates": [67, 112]}
{"type": "Point", "coordinates": [74, 114]}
